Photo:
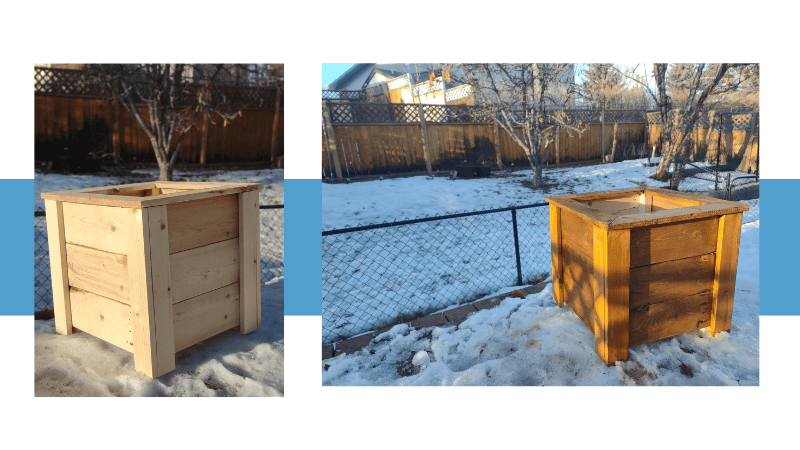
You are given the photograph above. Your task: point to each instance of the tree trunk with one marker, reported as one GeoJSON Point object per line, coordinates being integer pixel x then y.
{"type": "Point", "coordinates": [667, 155]}
{"type": "Point", "coordinates": [538, 181]}
{"type": "Point", "coordinates": [165, 171]}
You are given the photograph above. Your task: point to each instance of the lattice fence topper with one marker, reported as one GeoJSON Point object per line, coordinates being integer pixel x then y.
{"type": "Point", "coordinates": [455, 114]}
{"type": "Point", "coordinates": [457, 93]}
{"type": "Point", "coordinates": [342, 95]}
{"type": "Point", "coordinates": [76, 82]}
{"type": "Point", "coordinates": [426, 87]}
{"type": "Point", "coordinates": [399, 82]}
{"type": "Point", "coordinates": [624, 116]}
{"type": "Point", "coordinates": [373, 113]}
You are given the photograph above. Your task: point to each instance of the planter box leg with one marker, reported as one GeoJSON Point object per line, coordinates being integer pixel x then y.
{"type": "Point", "coordinates": [58, 266]}
{"type": "Point", "coordinates": [151, 306]}
{"type": "Point", "coordinates": [555, 250]}
{"type": "Point", "coordinates": [250, 264]}
{"type": "Point", "coordinates": [611, 288]}
{"type": "Point", "coordinates": [727, 260]}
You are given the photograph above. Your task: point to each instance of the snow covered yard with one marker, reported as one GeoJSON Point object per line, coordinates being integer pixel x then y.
{"type": "Point", "coordinates": [531, 341]}
{"type": "Point", "coordinates": [231, 364]}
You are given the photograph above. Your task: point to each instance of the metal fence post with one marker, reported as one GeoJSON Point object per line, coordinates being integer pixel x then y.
{"type": "Point", "coordinates": [728, 189]}
{"type": "Point", "coordinates": [516, 245]}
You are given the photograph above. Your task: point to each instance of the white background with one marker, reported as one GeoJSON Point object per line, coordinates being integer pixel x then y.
{"type": "Point", "coordinates": [303, 35]}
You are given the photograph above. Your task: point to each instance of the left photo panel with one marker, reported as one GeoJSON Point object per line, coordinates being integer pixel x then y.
{"type": "Point", "coordinates": [158, 230]}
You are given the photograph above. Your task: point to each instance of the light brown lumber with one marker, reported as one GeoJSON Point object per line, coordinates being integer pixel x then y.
{"type": "Point", "coordinates": [160, 272]}
{"type": "Point", "coordinates": [143, 317]}
{"type": "Point", "coordinates": [730, 228]}
{"type": "Point", "coordinates": [99, 272]}
{"type": "Point", "coordinates": [202, 222]}
{"type": "Point", "coordinates": [199, 318]}
{"type": "Point", "coordinates": [250, 264]}
{"type": "Point", "coordinates": [100, 227]}
{"type": "Point", "coordinates": [102, 317]}
{"type": "Point", "coordinates": [58, 266]}
{"type": "Point", "coordinates": [204, 269]}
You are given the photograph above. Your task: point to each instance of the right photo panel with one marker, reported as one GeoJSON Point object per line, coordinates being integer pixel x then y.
{"type": "Point", "coordinates": [540, 224]}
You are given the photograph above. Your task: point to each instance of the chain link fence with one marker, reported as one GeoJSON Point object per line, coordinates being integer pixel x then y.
{"type": "Point", "coordinates": [378, 275]}
{"type": "Point", "coordinates": [271, 253]}
{"type": "Point", "coordinates": [721, 182]}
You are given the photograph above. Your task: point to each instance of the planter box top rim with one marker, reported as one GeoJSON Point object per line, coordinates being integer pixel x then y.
{"type": "Point", "coordinates": [696, 207]}
{"type": "Point", "coordinates": [141, 195]}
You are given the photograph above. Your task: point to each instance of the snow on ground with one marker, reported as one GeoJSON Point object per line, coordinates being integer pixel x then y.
{"type": "Point", "coordinates": [400, 198]}
{"type": "Point", "coordinates": [533, 342]}
{"type": "Point", "coordinates": [251, 365]}
{"type": "Point", "coordinates": [373, 277]}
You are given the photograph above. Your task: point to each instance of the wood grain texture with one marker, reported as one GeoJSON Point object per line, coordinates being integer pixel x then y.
{"type": "Point", "coordinates": [143, 318]}
{"type": "Point", "coordinates": [664, 202]}
{"type": "Point", "coordinates": [102, 317]}
{"type": "Point", "coordinates": [577, 232]}
{"type": "Point", "coordinates": [100, 227]}
{"type": "Point", "coordinates": [202, 222]}
{"type": "Point", "coordinates": [59, 274]}
{"type": "Point", "coordinates": [204, 269]}
{"type": "Point", "coordinates": [670, 318]}
{"type": "Point", "coordinates": [670, 280]}
{"type": "Point", "coordinates": [645, 203]}
{"type": "Point", "coordinates": [99, 272]}
{"type": "Point", "coordinates": [617, 271]}
{"type": "Point", "coordinates": [730, 228]}
{"type": "Point", "coordinates": [666, 216]}
{"type": "Point", "coordinates": [204, 316]}
{"type": "Point", "coordinates": [659, 243]}
{"type": "Point", "coordinates": [250, 264]}
{"type": "Point", "coordinates": [555, 255]}
{"type": "Point", "coordinates": [160, 273]}
{"type": "Point", "coordinates": [579, 284]}
{"type": "Point", "coordinates": [600, 290]}
{"type": "Point", "coordinates": [627, 204]}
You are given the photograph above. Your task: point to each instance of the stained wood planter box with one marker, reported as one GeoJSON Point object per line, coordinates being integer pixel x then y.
{"type": "Point", "coordinates": [154, 268]}
{"type": "Point", "coordinates": [642, 264]}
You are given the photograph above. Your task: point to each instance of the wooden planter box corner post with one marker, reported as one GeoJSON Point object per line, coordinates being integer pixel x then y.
{"type": "Point", "coordinates": [642, 264]}
{"type": "Point", "coordinates": [154, 268]}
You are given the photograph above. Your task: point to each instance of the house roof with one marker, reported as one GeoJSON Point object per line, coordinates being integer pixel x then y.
{"type": "Point", "coordinates": [358, 76]}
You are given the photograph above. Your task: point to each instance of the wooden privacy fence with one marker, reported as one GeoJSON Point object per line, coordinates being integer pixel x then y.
{"type": "Point", "coordinates": [70, 113]}
{"type": "Point", "coordinates": [368, 138]}
{"type": "Point", "coordinates": [729, 136]}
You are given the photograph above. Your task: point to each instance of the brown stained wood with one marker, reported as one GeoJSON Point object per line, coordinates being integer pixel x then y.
{"type": "Point", "coordinates": [666, 216]}
{"type": "Point", "coordinates": [102, 317]}
{"type": "Point", "coordinates": [676, 199]}
{"type": "Point", "coordinates": [206, 315]}
{"type": "Point", "coordinates": [577, 232]}
{"type": "Point", "coordinates": [617, 272]}
{"type": "Point", "coordinates": [578, 278]}
{"type": "Point", "coordinates": [202, 222]}
{"type": "Point", "coordinates": [204, 269]}
{"type": "Point", "coordinates": [100, 227]}
{"type": "Point", "coordinates": [645, 203]}
{"type": "Point", "coordinates": [59, 274]}
{"type": "Point", "coordinates": [730, 228]}
{"type": "Point", "coordinates": [555, 252]}
{"type": "Point", "coordinates": [670, 318]}
{"type": "Point", "coordinates": [659, 243]}
{"type": "Point", "coordinates": [600, 290]}
{"type": "Point", "coordinates": [99, 272]}
{"type": "Point", "coordinates": [628, 204]}
{"type": "Point", "coordinates": [670, 280]}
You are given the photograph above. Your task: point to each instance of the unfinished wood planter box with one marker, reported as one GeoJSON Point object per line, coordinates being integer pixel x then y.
{"type": "Point", "coordinates": [642, 264]}
{"type": "Point", "coordinates": [154, 268]}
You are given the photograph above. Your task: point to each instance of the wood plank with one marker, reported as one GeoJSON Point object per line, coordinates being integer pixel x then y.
{"type": "Point", "coordinates": [617, 271]}
{"type": "Point", "coordinates": [102, 317]}
{"type": "Point", "coordinates": [645, 203]}
{"type": "Point", "coordinates": [660, 203]}
{"type": "Point", "coordinates": [193, 193]}
{"type": "Point", "coordinates": [670, 318]}
{"type": "Point", "coordinates": [59, 274]}
{"type": "Point", "coordinates": [577, 232]}
{"type": "Point", "coordinates": [206, 315]}
{"type": "Point", "coordinates": [659, 243]}
{"type": "Point", "coordinates": [143, 318]}
{"type": "Point", "coordinates": [100, 227]}
{"type": "Point", "coordinates": [670, 280]}
{"type": "Point", "coordinates": [579, 284]}
{"type": "Point", "coordinates": [666, 216]}
{"type": "Point", "coordinates": [555, 254]}
{"type": "Point", "coordinates": [628, 204]}
{"type": "Point", "coordinates": [600, 290]}
{"type": "Point", "coordinates": [250, 263]}
{"type": "Point", "coordinates": [160, 272]}
{"type": "Point", "coordinates": [202, 222]}
{"type": "Point", "coordinates": [99, 272]}
{"type": "Point", "coordinates": [730, 228]}
{"type": "Point", "coordinates": [204, 269]}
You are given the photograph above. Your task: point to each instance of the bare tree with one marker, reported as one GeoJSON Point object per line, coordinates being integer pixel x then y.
{"type": "Point", "coordinates": [693, 85]}
{"type": "Point", "coordinates": [528, 97]}
{"type": "Point", "coordinates": [175, 95]}
{"type": "Point", "coordinates": [603, 85]}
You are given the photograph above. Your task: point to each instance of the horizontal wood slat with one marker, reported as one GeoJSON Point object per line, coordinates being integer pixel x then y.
{"type": "Point", "coordinates": [100, 227]}
{"type": "Point", "coordinates": [671, 279]}
{"type": "Point", "coordinates": [100, 272]}
{"type": "Point", "coordinates": [206, 315]}
{"type": "Point", "coordinates": [669, 242]}
{"type": "Point", "coordinates": [670, 318]}
{"type": "Point", "coordinates": [202, 222]}
{"type": "Point", "coordinates": [578, 282]}
{"type": "Point", "coordinates": [204, 269]}
{"type": "Point", "coordinates": [102, 317]}
{"type": "Point", "coordinates": [577, 232]}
